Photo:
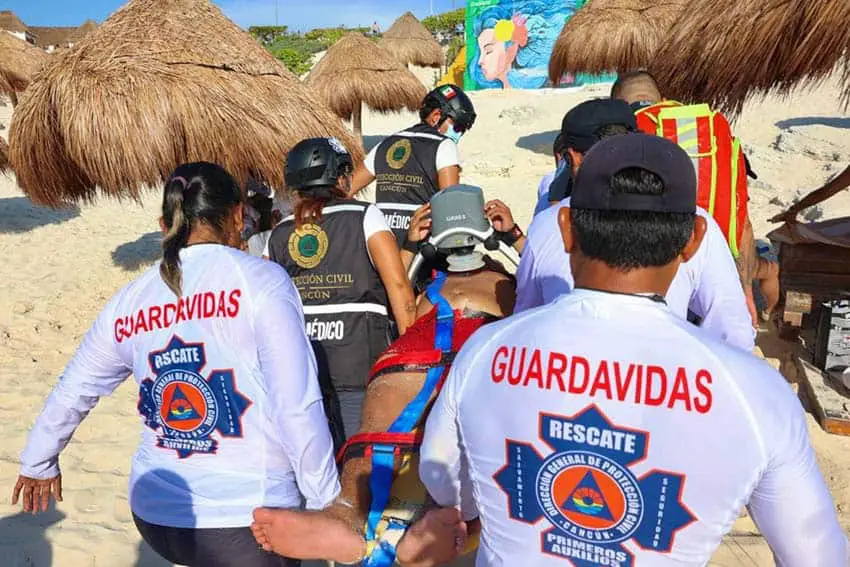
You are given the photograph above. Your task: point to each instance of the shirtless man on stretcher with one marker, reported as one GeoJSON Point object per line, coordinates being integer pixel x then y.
{"type": "Point", "coordinates": [380, 484]}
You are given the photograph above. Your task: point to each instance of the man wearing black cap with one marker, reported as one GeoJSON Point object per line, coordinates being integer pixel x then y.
{"type": "Point", "coordinates": [581, 128]}
{"type": "Point", "coordinates": [614, 432]}
{"type": "Point", "coordinates": [708, 285]}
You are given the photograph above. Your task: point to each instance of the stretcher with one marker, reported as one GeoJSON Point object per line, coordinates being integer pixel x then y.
{"type": "Point", "coordinates": [397, 495]}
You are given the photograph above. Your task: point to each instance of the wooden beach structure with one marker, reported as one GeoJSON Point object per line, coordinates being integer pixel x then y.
{"type": "Point", "coordinates": [158, 84]}
{"type": "Point", "coordinates": [19, 63]}
{"type": "Point", "coordinates": [356, 72]}
{"type": "Point", "coordinates": [612, 35]}
{"type": "Point", "coordinates": [723, 53]}
{"type": "Point", "coordinates": [411, 43]}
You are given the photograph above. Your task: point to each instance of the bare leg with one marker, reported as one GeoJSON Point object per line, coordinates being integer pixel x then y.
{"type": "Point", "coordinates": [746, 264]}
{"type": "Point", "coordinates": [767, 275]}
{"type": "Point", "coordinates": [307, 535]}
{"type": "Point", "coordinates": [336, 533]}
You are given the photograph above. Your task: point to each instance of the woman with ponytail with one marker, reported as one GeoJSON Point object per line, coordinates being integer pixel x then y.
{"type": "Point", "coordinates": [228, 391]}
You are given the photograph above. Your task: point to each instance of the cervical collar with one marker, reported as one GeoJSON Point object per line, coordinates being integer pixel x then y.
{"type": "Point", "coordinates": [468, 262]}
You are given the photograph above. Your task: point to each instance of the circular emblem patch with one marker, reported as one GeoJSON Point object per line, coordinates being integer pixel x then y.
{"type": "Point", "coordinates": [308, 245]}
{"type": "Point", "coordinates": [187, 406]}
{"type": "Point", "coordinates": [399, 153]}
{"type": "Point", "coordinates": [590, 497]}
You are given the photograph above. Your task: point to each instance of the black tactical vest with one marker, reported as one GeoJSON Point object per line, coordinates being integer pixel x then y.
{"type": "Point", "coordinates": [345, 303]}
{"type": "Point", "coordinates": [406, 174]}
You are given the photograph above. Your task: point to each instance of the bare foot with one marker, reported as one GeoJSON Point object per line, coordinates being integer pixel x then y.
{"type": "Point", "coordinates": [307, 535]}
{"type": "Point", "coordinates": [436, 539]}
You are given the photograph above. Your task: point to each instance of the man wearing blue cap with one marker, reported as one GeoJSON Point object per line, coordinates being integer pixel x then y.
{"type": "Point", "coordinates": [707, 286]}
{"type": "Point", "coordinates": [616, 433]}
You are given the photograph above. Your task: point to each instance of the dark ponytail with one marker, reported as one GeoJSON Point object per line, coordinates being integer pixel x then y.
{"type": "Point", "coordinates": [195, 192]}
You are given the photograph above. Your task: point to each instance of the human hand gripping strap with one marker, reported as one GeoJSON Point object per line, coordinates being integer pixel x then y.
{"type": "Point", "coordinates": [382, 553]}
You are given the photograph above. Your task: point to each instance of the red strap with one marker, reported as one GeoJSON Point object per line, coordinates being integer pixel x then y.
{"type": "Point", "coordinates": [411, 439]}
{"type": "Point", "coordinates": [422, 358]}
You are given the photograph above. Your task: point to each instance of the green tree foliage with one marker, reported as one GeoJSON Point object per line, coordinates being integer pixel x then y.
{"type": "Point", "coordinates": [267, 35]}
{"type": "Point", "coordinates": [296, 50]}
{"type": "Point", "coordinates": [455, 45]}
{"type": "Point", "coordinates": [445, 22]}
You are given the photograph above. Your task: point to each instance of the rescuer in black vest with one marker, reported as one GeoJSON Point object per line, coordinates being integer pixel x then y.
{"type": "Point", "coordinates": [346, 264]}
{"type": "Point", "coordinates": [411, 166]}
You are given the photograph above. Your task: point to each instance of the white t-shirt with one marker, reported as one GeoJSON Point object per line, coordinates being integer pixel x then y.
{"type": "Point", "coordinates": [448, 155]}
{"type": "Point", "coordinates": [605, 430]}
{"type": "Point", "coordinates": [373, 223]}
{"type": "Point", "coordinates": [708, 284]}
{"type": "Point", "coordinates": [228, 393]}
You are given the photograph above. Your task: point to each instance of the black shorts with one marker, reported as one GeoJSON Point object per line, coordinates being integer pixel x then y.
{"type": "Point", "coordinates": [209, 547]}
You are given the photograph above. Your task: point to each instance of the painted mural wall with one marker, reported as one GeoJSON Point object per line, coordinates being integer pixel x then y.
{"type": "Point", "coordinates": [508, 43]}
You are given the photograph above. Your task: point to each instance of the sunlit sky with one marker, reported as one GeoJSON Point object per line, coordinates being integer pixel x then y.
{"type": "Point", "coordinates": [296, 14]}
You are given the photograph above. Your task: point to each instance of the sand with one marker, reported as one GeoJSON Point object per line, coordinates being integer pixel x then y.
{"type": "Point", "coordinates": [60, 268]}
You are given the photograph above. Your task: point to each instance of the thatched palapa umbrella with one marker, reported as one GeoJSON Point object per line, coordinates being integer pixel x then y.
{"type": "Point", "coordinates": [411, 43]}
{"type": "Point", "coordinates": [146, 91]}
{"type": "Point", "coordinates": [724, 52]}
{"type": "Point", "coordinates": [19, 62]}
{"type": "Point", "coordinates": [612, 35]}
{"type": "Point", "coordinates": [355, 71]}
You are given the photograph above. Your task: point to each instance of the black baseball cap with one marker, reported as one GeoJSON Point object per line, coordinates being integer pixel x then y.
{"type": "Point", "coordinates": [581, 124]}
{"type": "Point", "coordinates": [592, 190]}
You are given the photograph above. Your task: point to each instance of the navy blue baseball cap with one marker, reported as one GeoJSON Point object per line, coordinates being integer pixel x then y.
{"type": "Point", "coordinates": [580, 126]}
{"type": "Point", "coordinates": [593, 191]}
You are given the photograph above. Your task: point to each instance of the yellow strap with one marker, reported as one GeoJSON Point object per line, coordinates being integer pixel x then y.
{"type": "Point", "coordinates": [689, 111]}
{"type": "Point", "coordinates": [733, 199]}
{"type": "Point", "coordinates": [713, 195]}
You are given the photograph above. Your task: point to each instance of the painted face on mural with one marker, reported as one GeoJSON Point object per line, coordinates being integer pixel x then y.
{"type": "Point", "coordinates": [494, 60]}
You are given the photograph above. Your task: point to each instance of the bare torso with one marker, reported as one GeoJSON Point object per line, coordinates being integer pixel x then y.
{"type": "Point", "coordinates": [491, 292]}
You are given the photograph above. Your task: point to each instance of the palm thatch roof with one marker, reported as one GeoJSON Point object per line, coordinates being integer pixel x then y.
{"type": "Point", "coordinates": [61, 37]}
{"type": "Point", "coordinates": [19, 62]}
{"type": "Point", "coordinates": [85, 29]}
{"type": "Point", "coordinates": [411, 43]}
{"type": "Point", "coordinates": [4, 156]}
{"type": "Point", "coordinates": [355, 70]}
{"type": "Point", "coordinates": [9, 21]}
{"type": "Point", "coordinates": [145, 92]}
{"type": "Point", "coordinates": [724, 52]}
{"type": "Point", "coordinates": [612, 35]}
{"type": "Point", "coordinates": [52, 36]}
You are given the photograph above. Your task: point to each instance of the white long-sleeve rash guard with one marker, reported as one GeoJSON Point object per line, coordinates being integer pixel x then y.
{"type": "Point", "coordinates": [708, 284]}
{"type": "Point", "coordinates": [228, 393]}
{"type": "Point", "coordinates": [604, 430]}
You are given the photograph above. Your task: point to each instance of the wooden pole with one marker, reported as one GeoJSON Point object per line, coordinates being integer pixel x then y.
{"type": "Point", "coordinates": [357, 121]}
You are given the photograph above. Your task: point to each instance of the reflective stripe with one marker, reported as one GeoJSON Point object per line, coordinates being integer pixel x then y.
{"type": "Point", "coordinates": [397, 206]}
{"type": "Point", "coordinates": [733, 199]}
{"type": "Point", "coordinates": [345, 308]}
{"type": "Point", "coordinates": [406, 134]}
{"type": "Point", "coordinates": [712, 199]}
{"type": "Point", "coordinates": [334, 209]}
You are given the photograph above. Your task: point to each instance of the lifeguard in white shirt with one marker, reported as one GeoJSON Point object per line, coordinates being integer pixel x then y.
{"type": "Point", "coordinates": [228, 393]}
{"type": "Point", "coordinates": [707, 285]}
{"type": "Point", "coordinates": [616, 433]}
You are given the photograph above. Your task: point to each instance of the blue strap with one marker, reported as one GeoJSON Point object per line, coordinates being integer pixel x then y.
{"type": "Point", "coordinates": [383, 456]}
{"type": "Point", "coordinates": [380, 482]}
{"type": "Point", "coordinates": [442, 341]}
